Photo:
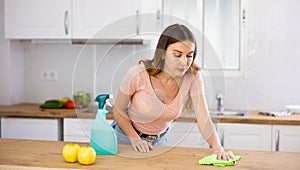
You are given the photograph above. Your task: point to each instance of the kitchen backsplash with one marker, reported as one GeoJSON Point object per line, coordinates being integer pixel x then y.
{"type": "Point", "coordinates": [93, 68]}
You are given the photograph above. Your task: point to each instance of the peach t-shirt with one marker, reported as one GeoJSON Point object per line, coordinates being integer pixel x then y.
{"type": "Point", "coordinates": [147, 112]}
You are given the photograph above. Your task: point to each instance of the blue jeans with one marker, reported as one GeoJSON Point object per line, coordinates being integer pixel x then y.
{"type": "Point", "coordinates": [123, 139]}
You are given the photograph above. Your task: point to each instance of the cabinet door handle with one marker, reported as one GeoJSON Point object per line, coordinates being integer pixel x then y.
{"type": "Point", "coordinates": [277, 136]}
{"type": "Point", "coordinates": [66, 22]}
{"type": "Point", "coordinates": [158, 15]}
{"type": "Point", "coordinates": [137, 21]}
{"type": "Point", "coordinates": [243, 17]}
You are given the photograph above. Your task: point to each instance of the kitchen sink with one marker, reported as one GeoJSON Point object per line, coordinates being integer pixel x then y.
{"type": "Point", "coordinates": [229, 113]}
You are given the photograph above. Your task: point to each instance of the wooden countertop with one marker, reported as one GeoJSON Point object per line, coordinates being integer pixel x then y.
{"type": "Point", "coordinates": [31, 154]}
{"type": "Point", "coordinates": [252, 118]}
{"type": "Point", "coordinates": [33, 110]}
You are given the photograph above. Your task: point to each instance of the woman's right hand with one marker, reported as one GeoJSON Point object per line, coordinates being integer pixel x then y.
{"type": "Point", "coordinates": [140, 145]}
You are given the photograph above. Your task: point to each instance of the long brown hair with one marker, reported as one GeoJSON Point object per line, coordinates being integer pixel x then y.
{"type": "Point", "coordinates": [172, 34]}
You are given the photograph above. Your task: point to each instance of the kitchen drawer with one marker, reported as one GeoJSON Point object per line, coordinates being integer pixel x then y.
{"type": "Point", "coordinates": [78, 129]}
{"type": "Point", "coordinates": [186, 134]}
{"type": "Point", "coordinates": [245, 136]}
{"type": "Point", "coordinates": [183, 127]}
{"type": "Point", "coordinates": [31, 128]}
{"type": "Point", "coordinates": [77, 126]}
{"type": "Point", "coordinates": [286, 138]}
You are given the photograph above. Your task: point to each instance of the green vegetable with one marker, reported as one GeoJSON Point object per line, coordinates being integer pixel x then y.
{"type": "Point", "coordinates": [83, 97]}
{"type": "Point", "coordinates": [52, 104]}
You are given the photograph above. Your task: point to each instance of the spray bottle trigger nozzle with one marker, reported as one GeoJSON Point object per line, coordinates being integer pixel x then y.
{"type": "Point", "coordinates": [108, 103]}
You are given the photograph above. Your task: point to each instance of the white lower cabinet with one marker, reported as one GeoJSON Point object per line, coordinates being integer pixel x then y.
{"type": "Point", "coordinates": [185, 134]}
{"type": "Point", "coordinates": [31, 128]}
{"type": "Point", "coordinates": [286, 138]}
{"type": "Point", "coordinates": [245, 136]}
{"type": "Point", "coordinates": [78, 129]}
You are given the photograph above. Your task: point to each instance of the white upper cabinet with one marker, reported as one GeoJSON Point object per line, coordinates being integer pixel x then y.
{"type": "Point", "coordinates": [115, 19]}
{"type": "Point", "coordinates": [34, 19]}
{"type": "Point", "coordinates": [81, 19]}
{"type": "Point", "coordinates": [104, 19]}
{"type": "Point", "coordinates": [150, 17]}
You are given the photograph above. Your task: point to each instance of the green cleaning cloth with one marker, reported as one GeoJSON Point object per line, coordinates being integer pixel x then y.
{"type": "Point", "coordinates": [213, 160]}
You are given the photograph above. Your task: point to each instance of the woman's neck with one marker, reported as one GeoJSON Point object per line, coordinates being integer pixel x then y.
{"type": "Point", "coordinates": [164, 77]}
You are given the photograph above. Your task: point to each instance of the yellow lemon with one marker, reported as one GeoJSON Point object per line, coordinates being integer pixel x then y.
{"type": "Point", "coordinates": [65, 99]}
{"type": "Point", "coordinates": [86, 155]}
{"type": "Point", "coordinates": [70, 152]}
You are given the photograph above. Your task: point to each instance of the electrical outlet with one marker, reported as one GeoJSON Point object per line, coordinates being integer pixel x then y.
{"type": "Point", "coordinates": [49, 75]}
{"type": "Point", "coordinates": [44, 75]}
{"type": "Point", "coordinates": [52, 75]}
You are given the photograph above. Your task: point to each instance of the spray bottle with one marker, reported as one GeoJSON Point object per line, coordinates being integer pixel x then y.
{"type": "Point", "coordinates": [103, 137]}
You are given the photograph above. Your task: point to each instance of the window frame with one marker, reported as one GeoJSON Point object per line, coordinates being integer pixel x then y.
{"type": "Point", "coordinates": [229, 73]}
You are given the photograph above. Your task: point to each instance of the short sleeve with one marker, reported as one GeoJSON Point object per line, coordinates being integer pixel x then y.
{"type": "Point", "coordinates": [197, 87]}
{"type": "Point", "coordinates": [131, 80]}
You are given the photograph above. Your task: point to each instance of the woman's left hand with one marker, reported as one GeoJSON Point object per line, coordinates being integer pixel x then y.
{"type": "Point", "coordinates": [221, 154]}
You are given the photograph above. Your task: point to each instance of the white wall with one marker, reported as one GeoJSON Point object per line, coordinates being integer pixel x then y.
{"type": "Point", "coordinates": [272, 70]}
{"type": "Point", "coordinates": [4, 61]}
{"type": "Point", "coordinates": [273, 57]}
{"type": "Point", "coordinates": [88, 68]}
{"type": "Point", "coordinates": [11, 67]}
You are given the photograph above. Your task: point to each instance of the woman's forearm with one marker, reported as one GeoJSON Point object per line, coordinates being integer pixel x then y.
{"type": "Point", "coordinates": [214, 141]}
{"type": "Point", "coordinates": [205, 124]}
{"type": "Point", "coordinates": [208, 132]}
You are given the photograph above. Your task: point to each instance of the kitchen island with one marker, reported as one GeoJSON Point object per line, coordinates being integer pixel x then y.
{"type": "Point", "coordinates": [34, 154]}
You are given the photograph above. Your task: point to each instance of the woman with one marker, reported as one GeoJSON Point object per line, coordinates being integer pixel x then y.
{"type": "Point", "coordinates": [155, 92]}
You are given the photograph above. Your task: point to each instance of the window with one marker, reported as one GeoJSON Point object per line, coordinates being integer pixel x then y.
{"type": "Point", "coordinates": [222, 25]}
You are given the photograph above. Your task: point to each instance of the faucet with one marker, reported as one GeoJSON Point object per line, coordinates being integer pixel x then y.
{"type": "Point", "coordinates": [220, 106]}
